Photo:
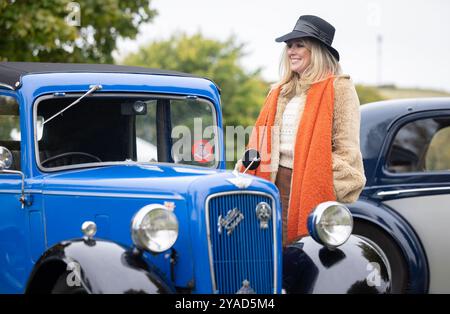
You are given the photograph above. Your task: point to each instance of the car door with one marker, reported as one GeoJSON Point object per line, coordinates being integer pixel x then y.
{"type": "Point", "coordinates": [414, 180]}
{"type": "Point", "coordinates": [14, 251]}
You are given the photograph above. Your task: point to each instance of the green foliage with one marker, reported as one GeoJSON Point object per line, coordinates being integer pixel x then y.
{"type": "Point", "coordinates": [243, 93]}
{"type": "Point", "coordinates": [38, 31]}
{"type": "Point", "coordinates": [393, 92]}
{"type": "Point", "coordinates": [368, 94]}
{"type": "Point", "coordinates": [9, 118]}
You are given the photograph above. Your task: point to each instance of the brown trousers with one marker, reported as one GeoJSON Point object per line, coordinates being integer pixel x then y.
{"type": "Point", "coordinates": [283, 183]}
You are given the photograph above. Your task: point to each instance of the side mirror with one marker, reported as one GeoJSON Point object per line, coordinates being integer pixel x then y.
{"type": "Point", "coordinates": [6, 158]}
{"type": "Point", "coordinates": [251, 159]}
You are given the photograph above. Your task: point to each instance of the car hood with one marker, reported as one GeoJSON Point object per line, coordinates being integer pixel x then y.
{"type": "Point", "coordinates": [138, 180]}
{"type": "Point", "coordinates": [111, 195]}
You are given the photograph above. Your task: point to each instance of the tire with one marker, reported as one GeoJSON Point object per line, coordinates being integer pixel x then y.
{"type": "Point", "coordinates": [61, 286]}
{"type": "Point", "coordinates": [397, 262]}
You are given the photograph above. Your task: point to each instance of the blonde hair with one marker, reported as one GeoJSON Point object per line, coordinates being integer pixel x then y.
{"type": "Point", "coordinates": [322, 65]}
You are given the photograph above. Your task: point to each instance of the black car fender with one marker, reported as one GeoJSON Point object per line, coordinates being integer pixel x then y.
{"type": "Point", "coordinates": [354, 267]}
{"type": "Point", "coordinates": [98, 266]}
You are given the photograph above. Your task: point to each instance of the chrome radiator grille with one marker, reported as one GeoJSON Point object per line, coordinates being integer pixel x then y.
{"type": "Point", "coordinates": [241, 249]}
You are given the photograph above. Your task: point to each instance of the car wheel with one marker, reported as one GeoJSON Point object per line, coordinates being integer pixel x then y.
{"type": "Point", "coordinates": [397, 263]}
{"type": "Point", "coordinates": [61, 286]}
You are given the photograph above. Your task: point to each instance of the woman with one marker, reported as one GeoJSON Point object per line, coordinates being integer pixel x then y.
{"type": "Point", "coordinates": [308, 129]}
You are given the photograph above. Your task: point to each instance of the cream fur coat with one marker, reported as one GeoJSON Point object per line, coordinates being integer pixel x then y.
{"type": "Point", "coordinates": [348, 170]}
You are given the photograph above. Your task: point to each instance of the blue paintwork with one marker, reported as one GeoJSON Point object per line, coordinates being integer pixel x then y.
{"type": "Point", "coordinates": [110, 195]}
{"type": "Point", "coordinates": [61, 201]}
{"type": "Point", "coordinates": [36, 85]}
{"type": "Point", "coordinates": [379, 123]}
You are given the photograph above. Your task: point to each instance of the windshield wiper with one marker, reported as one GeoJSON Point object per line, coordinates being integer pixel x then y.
{"type": "Point", "coordinates": [93, 89]}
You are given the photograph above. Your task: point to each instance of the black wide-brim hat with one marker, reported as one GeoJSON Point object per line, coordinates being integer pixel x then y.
{"type": "Point", "coordinates": [315, 27]}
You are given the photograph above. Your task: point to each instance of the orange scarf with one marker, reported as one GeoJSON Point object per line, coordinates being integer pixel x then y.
{"type": "Point", "coordinates": [312, 177]}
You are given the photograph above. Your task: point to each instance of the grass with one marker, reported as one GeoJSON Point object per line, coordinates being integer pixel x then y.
{"type": "Point", "coordinates": [392, 92]}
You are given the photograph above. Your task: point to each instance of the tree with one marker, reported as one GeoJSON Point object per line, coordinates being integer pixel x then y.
{"type": "Point", "coordinates": [243, 92]}
{"type": "Point", "coordinates": [65, 31]}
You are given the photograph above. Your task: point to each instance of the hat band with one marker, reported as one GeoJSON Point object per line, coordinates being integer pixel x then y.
{"type": "Point", "coordinates": [311, 29]}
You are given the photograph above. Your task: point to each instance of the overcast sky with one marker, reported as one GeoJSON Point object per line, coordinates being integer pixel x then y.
{"type": "Point", "coordinates": [415, 49]}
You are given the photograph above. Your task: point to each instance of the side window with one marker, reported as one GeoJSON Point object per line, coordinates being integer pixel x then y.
{"type": "Point", "coordinates": [438, 154]}
{"type": "Point", "coordinates": [146, 142]}
{"type": "Point", "coordinates": [193, 133]}
{"type": "Point", "coordinates": [421, 146]}
{"type": "Point", "coordinates": [10, 128]}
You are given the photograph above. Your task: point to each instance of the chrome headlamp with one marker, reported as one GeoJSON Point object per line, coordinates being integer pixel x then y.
{"type": "Point", "coordinates": [330, 224]}
{"type": "Point", "coordinates": [154, 228]}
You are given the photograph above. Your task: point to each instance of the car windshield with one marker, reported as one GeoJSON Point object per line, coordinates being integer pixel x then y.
{"type": "Point", "coordinates": [103, 129]}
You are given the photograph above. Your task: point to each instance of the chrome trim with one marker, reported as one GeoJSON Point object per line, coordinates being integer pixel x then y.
{"type": "Point", "coordinates": [118, 195]}
{"type": "Point", "coordinates": [397, 192]}
{"type": "Point", "coordinates": [19, 191]}
{"type": "Point", "coordinates": [89, 229]}
{"type": "Point", "coordinates": [6, 86]}
{"type": "Point", "coordinates": [208, 234]}
{"type": "Point", "coordinates": [263, 211]}
{"type": "Point", "coordinates": [136, 224]}
{"type": "Point", "coordinates": [230, 221]}
{"type": "Point", "coordinates": [317, 214]}
{"type": "Point", "coordinates": [10, 191]}
{"type": "Point", "coordinates": [240, 182]}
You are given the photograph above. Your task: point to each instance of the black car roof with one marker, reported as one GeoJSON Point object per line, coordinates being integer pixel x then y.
{"type": "Point", "coordinates": [11, 72]}
{"type": "Point", "coordinates": [391, 109]}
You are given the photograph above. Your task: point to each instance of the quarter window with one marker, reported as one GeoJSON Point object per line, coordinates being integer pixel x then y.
{"type": "Point", "coordinates": [10, 128]}
{"type": "Point", "coordinates": [421, 146]}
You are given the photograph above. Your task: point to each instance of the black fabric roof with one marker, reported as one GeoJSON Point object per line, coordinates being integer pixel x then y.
{"type": "Point", "coordinates": [11, 72]}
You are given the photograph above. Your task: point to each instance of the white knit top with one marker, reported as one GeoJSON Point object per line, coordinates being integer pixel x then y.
{"type": "Point", "coordinates": [288, 129]}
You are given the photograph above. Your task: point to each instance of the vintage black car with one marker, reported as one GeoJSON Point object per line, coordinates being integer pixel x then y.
{"type": "Point", "coordinates": [405, 207]}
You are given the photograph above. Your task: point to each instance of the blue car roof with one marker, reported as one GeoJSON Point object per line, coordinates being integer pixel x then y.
{"type": "Point", "coordinates": [11, 73]}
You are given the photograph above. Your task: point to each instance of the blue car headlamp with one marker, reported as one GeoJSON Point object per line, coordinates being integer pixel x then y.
{"type": "Point", "coordinates": [154, 228]}
{"type": "Point", "coordinates": [330, 224]}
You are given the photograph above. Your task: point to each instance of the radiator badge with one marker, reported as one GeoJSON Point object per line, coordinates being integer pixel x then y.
{"type": "Point", "coordinates": [231, 220]}
{"type": "Point", "coordinates": [246, 289]}
{"type": "Point", "coordinates": [263, 213]}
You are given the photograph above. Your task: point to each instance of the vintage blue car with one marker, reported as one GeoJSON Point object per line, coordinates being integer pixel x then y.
{"type": "Point", "coordinates": [113, 180]}
{"type": "Point", "coordinates": [405, 206]}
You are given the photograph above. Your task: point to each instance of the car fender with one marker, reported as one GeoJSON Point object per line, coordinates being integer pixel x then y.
{"type": "Point", "coordinates": [354, 267]}
{"type": "Point", "coordinates": [99, 267]}
{"type": "Point", "coordinates": [403, 234]}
